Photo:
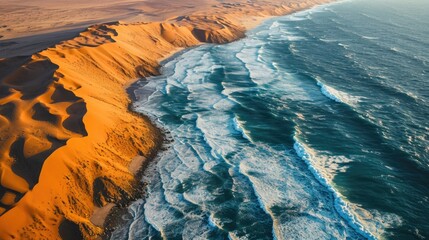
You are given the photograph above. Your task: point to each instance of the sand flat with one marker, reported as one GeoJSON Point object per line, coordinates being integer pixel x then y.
{"type": "Point", "coordinates": [68, 139]}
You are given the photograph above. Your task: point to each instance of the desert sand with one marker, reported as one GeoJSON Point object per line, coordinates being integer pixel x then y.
{"type": "Point", "coordinates": [70, 148]}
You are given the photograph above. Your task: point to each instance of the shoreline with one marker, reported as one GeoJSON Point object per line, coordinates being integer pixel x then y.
{"type": "Point", "coordinates": [109, 216]}
{"type": "Point", "coordinates": [102, 109]}
{"type": "Point", "coordinates": [114, 218]}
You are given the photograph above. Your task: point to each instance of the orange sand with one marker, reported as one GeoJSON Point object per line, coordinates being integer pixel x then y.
{"type": "Point", "coordinates": [67, 137]}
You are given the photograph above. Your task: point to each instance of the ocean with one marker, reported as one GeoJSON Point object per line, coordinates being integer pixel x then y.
{"type": "Point", "coordinates": [314, 126]}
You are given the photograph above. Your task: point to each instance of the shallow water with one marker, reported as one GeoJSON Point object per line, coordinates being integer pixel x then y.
{"type": "Point", "coordinates": [313, 127]}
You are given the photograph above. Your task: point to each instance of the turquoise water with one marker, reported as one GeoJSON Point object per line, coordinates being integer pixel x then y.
{"type": "Point", "coordinates": [313, 127]}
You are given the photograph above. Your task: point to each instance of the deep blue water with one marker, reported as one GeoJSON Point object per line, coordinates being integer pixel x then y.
{"type": "Point", "coordinates": [315, 126]}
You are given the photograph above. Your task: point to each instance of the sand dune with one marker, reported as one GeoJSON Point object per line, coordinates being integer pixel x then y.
{"type": "Point", "coordinates": [28, 26]}
{"type": "Point", "coordinates": [67, 137]}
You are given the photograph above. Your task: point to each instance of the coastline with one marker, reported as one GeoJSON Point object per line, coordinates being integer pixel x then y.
{"type": "Point", "coordinates": [112, 217]}
{"type": "Point", "coordinates": [102, 43]}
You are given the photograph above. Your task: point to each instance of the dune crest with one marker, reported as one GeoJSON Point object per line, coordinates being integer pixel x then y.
{"type": "Point", "coordinates": [67, 136]}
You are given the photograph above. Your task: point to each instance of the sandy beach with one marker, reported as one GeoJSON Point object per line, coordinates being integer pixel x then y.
{"type": "Point", "coordinates": [70, 147]}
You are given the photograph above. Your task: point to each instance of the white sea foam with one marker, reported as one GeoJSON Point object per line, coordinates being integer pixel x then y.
{"type": "Point", "coordinates": [395, 49]}
{"type": "Point", "coordinates": [284, 33]}
{"type": "Point", "coordinates": [275, 24]}
{"type": "Point", "coordinates": [327, 40]}
{"type": "Point", "coordinates": [306, 14]}
{"type": "Point", "coordinates": [375, 221]}
{"type": "Point", "coordinates": [238, 125]}
{"type": "Point", "coordinates": [224, 104]}
{"type": "Point", "coordinates": [292, 38]}
{"type": "Point", "coordinates": [258, 70]}
{"type": "Point", "coordinates": [296, 18]}
{"type": "Point", "coordinates": [277, 185]}
{"type": "Point", "coordinates": [370, 38]}
{"type": "Point", "coordinates": [343, 208]}
{"type": "Point", "coordinates": [371, 223]}
{"type": "Point", "coordinates": [228, 91]}
{"type": "Point", "coordinates": [297, 90]}
{"type": "Point", "coordinates": [337, 95]}
{"type": "Point", "coordinates": [345, 46]}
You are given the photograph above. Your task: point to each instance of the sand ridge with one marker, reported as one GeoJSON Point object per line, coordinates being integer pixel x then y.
{"type": "Point", "coordinates": [67, 137]}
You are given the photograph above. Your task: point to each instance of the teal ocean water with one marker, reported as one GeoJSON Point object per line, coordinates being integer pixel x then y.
{"type": "Point", "coordinates": [315, 126]}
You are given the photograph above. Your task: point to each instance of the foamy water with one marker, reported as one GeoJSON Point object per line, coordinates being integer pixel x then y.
{"type": "Point", "coordinates": [306, 129]}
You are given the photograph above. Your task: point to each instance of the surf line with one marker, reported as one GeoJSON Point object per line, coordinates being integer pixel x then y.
{"type": "Point", "coordinates": [340, 205]}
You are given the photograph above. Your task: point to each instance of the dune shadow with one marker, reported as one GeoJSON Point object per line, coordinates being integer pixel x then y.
{"type": "Point", "coordinates": [7, 110]}
{"type": "Point", "coordinates": [74, 122]}
{"type": "Point", "coordinates": [69, 230]}
{"type": "Point", "coordinates": [29, 168]}
{"type": "Point", "coordinates": [103, 192]}
{"type": "Point", "coordinates": [63, 95]}
{"type": "Point", "coordinates": [41, 113]}
{"type": "Point", "coordinates": [31, 78]}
